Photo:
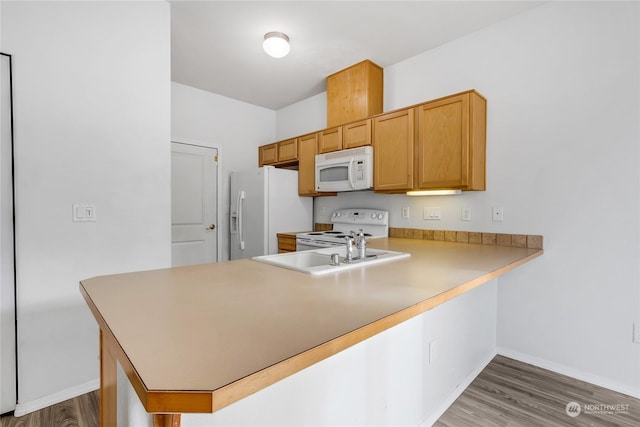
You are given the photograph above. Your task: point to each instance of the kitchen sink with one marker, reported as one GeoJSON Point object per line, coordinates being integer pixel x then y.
{"type": "Point", "coordinates": [318, 261]}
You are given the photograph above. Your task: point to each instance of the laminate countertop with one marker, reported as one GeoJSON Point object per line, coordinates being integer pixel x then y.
{"type": "Point", "coordinates": [198, 338]}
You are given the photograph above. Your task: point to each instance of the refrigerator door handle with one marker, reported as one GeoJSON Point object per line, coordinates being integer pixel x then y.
{"type": "Point", "coordinates": [234, 217]}
{"type": "Point", "coordinates": [240, 230]}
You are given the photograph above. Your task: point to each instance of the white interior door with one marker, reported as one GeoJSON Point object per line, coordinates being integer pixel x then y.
{"type": "Point", "coordinates": [194, 232]}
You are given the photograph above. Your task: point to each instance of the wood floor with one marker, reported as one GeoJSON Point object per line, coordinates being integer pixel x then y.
{"type": "Point", "coordinates": [511, 393]}
{"type": "Point", "coordinates": [506, 393]}
{"type": "Point", "coordinates": [79, 412]}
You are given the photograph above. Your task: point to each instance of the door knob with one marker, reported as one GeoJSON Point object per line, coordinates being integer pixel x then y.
{"type": "Point", "coordinates": [211, 227]}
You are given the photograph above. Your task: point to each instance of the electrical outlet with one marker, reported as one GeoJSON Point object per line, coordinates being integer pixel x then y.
{"type": "Point", "coordinates": [497, 214]}
{"type": "Point", "coordinates": [405, 212]}
{"type": "Point", "coordinates": [636, 332]}
{"type": "Point", "coordinates": [432, 352]}
{"type": "Point", "coordinates": [466, 214]}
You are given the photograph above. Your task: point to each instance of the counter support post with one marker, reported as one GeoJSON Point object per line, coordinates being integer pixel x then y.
{"type": "Point", "coordinates": [166, 420]}
{"type": "Point", "coordinates": [108, 384]}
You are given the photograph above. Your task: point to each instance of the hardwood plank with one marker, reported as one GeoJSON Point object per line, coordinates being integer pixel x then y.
{"type": "Point", "coordinates": [87, 407]}
{"type": "Point", "coordinates": [81, 411]}
{"type": "Point", "coordinates": [512, 393]}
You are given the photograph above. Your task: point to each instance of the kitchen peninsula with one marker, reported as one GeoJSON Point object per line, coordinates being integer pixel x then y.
{"type": "Point", "coordinates": [197, 339]}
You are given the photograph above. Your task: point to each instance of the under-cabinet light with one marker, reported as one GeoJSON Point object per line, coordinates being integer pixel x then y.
{"type": "Point", "coordinates": [433, 192]}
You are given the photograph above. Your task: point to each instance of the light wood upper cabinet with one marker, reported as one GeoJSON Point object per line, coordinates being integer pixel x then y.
{"type": "Point", "coordinates": [307, 150]}
{"type": "Point", "coordinates": [356, 134]}
{"type": "Point", "coordinates": [393, 144]}
{"type": "Point", "coordinates": [267, 154]}
{"type": "Point", "coordinates": [307, 164]}
{"type": "Point", "coordinates": [342, 137]}
{"type": "Point", "coordinates": [283, 153]}
{"type": "Point", "coordinates": [288, 150]}
{"type": "Point", "coordinates": [450, 143]}
{"type": "Point", "coordinates": [440, 144]}
{"type": "Point", "coordinates": [330, 140]}
{"type": "Point", "coordinates": [354, 93]}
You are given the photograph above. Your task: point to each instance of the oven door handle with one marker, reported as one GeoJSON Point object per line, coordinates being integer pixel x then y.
{"type": "Point", "coordinates": [352, 173]}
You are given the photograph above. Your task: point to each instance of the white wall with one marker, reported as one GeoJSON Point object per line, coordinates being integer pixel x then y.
{"type": "Point", "coordinates": [562, 83]}
{"type": "Point", "coordinates": [236, 127]}
{"type": "Point", "coordinates": [92, 117]}
{"type": "Point", "coordinates": [305, 116]}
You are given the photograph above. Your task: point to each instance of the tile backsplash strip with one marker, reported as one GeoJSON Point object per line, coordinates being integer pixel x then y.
{"type": "Point", "coordinates": [530, 241]}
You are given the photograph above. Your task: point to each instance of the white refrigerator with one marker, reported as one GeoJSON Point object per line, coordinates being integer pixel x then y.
{"type": "Point", "coordinates": [265, 201]}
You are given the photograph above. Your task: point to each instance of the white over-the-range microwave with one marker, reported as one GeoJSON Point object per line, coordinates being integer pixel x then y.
{"type": "Point", "coordinates": [345, 170]}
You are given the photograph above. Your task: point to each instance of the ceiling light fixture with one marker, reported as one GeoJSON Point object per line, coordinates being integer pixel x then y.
{"type": "Point", "coordinates": [433, 192]}
{"type": "Point", "coordinates": [276, 44]}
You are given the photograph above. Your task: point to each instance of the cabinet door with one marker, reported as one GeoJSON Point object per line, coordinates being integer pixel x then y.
{"type": "Point", "coordinates": [288, 150]}
{"type": "Point", "coordinates": [356, 134]}
{"type": "Point", "coordinates": [330, 140]}
{"type": "Point", "coordinates": [354, 93]}
{"type": "Point", "coordinates": [450, 143]}
{"type": "Point", "coordinates": [443, 143]}
{"type": "Point", "coordinates": [393, 139]}
{"type": "Point", "coordinates": [286, 243]}
{"type": "Point", "coordinates": [307, 164]}
{"type": "Point", "coordinates": [267, 154]}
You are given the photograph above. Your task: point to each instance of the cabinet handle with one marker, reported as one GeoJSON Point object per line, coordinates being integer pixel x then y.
{"type": "Point", "coordinates": [211, 227]}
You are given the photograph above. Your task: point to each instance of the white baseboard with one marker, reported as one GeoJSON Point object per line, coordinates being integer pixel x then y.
{"type": "Point", "coordinates": [448, 401]}
{"type": "Point", "coordinates": [571, 372]}
{"type": "Point", "coordinates": [24, 408]}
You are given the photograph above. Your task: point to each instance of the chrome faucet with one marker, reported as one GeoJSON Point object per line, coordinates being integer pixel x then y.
{"type": "Point", "coordinates": [349, 256]}
{"type": "Point", "coordinates": [361, 245]}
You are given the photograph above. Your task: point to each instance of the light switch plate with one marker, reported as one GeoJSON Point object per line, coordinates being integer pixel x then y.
{"type": "Point", "coordinates": [83, 212]}
{"type": "Point", "coordinates": [432, 213]}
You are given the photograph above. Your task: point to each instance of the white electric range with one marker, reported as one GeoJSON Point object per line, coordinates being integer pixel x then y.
{"type": "Point", "coordinates": [373, 222]}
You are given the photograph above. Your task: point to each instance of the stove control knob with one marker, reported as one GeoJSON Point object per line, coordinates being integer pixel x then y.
{"type": "Point", "coordinates": [338, 214]}
{"type": "Point", "coordinates": [380, 216]}
{"type": "Point", "coordinates": [373, 215]}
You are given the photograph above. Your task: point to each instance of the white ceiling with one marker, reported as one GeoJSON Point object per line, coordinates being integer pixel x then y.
{"type": "Point", "coordinates": [217, 45]}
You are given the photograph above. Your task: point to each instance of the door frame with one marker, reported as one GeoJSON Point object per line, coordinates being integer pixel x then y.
{"type": "Point", "coordinates": [205, 144]}
{"type": "Point", "coordinates": [13, 345]}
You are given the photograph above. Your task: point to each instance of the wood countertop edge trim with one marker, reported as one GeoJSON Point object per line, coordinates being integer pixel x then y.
{"type": "Point", "coordinates": [154, 401]}
{"type": "Point", "coordinates": [158, 401]}
{"type": "Point", "coordinates": [253, 383]}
